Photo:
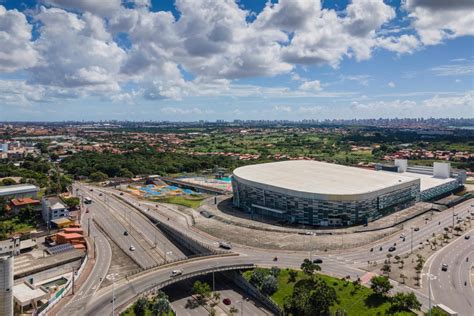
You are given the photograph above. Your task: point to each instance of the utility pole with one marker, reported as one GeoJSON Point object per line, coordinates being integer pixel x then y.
{"type": "Point", "coordinates": [112, 277]}
{"type": "Point", "coordinates": [429, 293]}
{"type": "Point", "coordinates": [73, 277]}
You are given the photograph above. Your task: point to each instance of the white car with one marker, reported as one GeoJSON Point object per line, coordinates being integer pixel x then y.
{"type": "Point", "coordinates": [132, 248]}
{"type": "Point", "coordinates": [402, 236]}
{"type": "Point", "coordinates": [176, 273]}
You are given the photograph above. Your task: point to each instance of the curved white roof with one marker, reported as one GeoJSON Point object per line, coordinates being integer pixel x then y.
{"type": "Point", "coordinates": [321, 180]}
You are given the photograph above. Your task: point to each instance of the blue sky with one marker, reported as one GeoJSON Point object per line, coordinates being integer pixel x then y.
{"type": "Point", "coordinates": [251, 59]}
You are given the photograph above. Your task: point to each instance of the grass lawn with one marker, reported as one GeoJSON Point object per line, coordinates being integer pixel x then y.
{"type": "Point", "coordinates": [361, 302]}
{"type": "Point", "coordinates": [181, 200]}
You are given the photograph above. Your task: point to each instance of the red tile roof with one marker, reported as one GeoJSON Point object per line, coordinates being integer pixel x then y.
{"type": "Point", "coordinates": [24, 201]}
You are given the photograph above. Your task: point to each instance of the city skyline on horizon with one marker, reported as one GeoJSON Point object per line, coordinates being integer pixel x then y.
{"type": "Point", "coordinates": [190, 60]}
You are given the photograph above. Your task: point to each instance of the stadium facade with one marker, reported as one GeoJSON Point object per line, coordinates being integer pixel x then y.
{"type": "Point", "coordinates": [324, 194]}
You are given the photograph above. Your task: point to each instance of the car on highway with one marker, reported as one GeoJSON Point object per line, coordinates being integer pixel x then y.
{"type": "Point", "coordinates": [318, 260]}
{"type": "Point", "coordinates": [392, 249]}
{"type": "Point", "coordinates": [467, 237]}
{"type": "Point", "coordinates": [444, 267]}
{"type": "Point", "coordinates": [226, 301]}
{"type": "Point", "coordinates": [225, 245]}
{"type": "Point", "coordinates": [416, 229]}
{"type": "Point", "coordinates": [125, 233]}
{"type": "Point", "coordinates": [132, 248]}
{"type": "Point", "coordinates": [176, 273]}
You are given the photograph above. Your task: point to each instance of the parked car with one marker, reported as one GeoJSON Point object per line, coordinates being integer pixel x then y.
{"type": "Point", "coordinates": [226, 301]}
{"type": "Point", "coordinates": [402, 236]}
{"type": "Point", "coordinates": [416, 229]}
{"type": "Point", "coordinates": [121, 193]}
{"type": "Point", "coordinates": [392, 249]}
{"type": "Point", "coordinates": [318, 260]}
{"type": "Point", "coordinates": [467, 237]}
{"type": "Point", "coordinates": [176, 273]}
{"type": "Point", "coordinates": [444, 267]}
{"type": "Point", "coordinates": [100, 194]}
{"type": "Point", "coordinates": [125, 233]}
{"type": "Point", "coordinates": [132, 248]}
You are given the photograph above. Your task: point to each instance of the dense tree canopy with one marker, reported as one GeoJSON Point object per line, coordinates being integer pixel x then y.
{"type": "Point", "coordinates": [146, 161]}
{"type": "Point", "coordinates": [311, 297]}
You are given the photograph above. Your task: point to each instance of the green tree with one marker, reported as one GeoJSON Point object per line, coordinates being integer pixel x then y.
{"type": "Point", "coordinates": [404, 302]}
{"type": "Point", "coordinates": [140, 306]}
{"type": "Point", "coordinates": [160, 305]}
{"type": "Point", "coordinates": [309, 267]}
{"type": "Point", "coordinates": [269, 285]}
{"type": "Point", "coordinates": [8, 181]}
{"type": "Point", "coordinates": [202, 290]}
{"type": "Point", "coordinates": [72, 202]}
{"type": "Point", "coordinates": [292, 275]}
{"type": "Point", "coordinates": [310, 297]}
{"type": "Point", "coordinates": [275, 271]}
{"type": "Point", "coordinates": [380, 285]}
{"type": "Point", "coordinates": [98, 176]}
{"type": "Point", "coordinates": [256, 278]}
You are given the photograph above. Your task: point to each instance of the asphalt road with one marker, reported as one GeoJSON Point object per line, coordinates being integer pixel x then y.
{"type": "Point", "coordinates": [142, 226]}
{"type": "Point", "coordinates": [103, 258]}
{"type": "Point", "coordinates": [115, 226]}
{"type": "Point", "coordinates": [344, 262]}
{"type": "Point", "coordinates": [453, 287]}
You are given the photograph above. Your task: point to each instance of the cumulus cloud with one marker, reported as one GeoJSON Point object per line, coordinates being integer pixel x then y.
{"type": "Point", "coordinates": [101, 7]}
{"type": "Point", "coordinates": [16, 47]}
{"type": "Point", "coordinates": [437, 20]}
{"type": "Point", "coordinates": [77, 51]}
{"type": "Point", "coordinates": [313, 86]}
{"type": "Point", "coordinates": [391, 84]}
{"type": "Point", "coordinates": [98, 47]}
{"type": "Point", "coordinates": [402, 44]}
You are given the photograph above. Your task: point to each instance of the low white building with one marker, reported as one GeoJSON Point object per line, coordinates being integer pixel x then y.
{"type": "Point", "coordinates": [53, 208]}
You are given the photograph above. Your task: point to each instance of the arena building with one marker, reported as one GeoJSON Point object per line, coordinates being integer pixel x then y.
{"type": "Point", "coordinates": [319, 193]}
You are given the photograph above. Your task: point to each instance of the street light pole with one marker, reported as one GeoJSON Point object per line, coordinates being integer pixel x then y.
{"type": "Point", "coordinates": [112, 277]}
{"type": "Point", "coordinates": [429, 293]}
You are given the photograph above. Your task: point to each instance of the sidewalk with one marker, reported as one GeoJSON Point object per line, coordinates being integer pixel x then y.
{"type": "Point", "coordinates": [78, 282]}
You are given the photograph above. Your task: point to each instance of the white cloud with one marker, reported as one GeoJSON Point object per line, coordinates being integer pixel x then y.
{"type": "Point", "coordinates": [310, 109]}
{"type": "Point", "coordinates": [282, 108]}
{"type": "Point", "coordinates": [76, 51]}
{"type": "Point", "coordinates": [98, 7]}
{"type": "Point", "coordinates": [391, 84]}
{"type": "Point", "coordinates": [361, 79]}
{"type": "Point", "coordinates": [184, 111]}
{"type": "Point", "coordinates": [437, 106]}
{"type": "Point", "coordinates": [402, 44]}
{"type": "Point", "coordinates": [458, 69]}
{"type": "Point", "coordinates": [437, 20]}
{"type": "Point", "coordinates": [313, 86]}
{"type": "Point", "coordinates": [16, 48]}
